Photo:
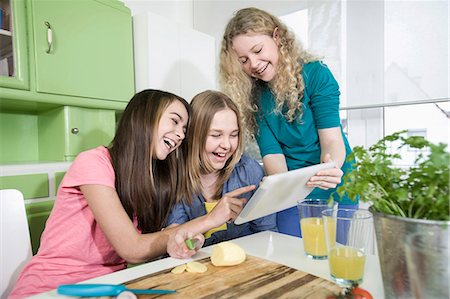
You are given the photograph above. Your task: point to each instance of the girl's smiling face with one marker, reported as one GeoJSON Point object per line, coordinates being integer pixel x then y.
{"type": "Point", "coordinates": [171, 129]}
{"type": "Point", "coordinates": [258, 54]}
{"type": "Point", "coordinates": [222, 139]}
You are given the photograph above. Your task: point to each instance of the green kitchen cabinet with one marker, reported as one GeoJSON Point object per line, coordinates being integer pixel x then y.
{"type": "Point", "coordinates": [65, 132]}
{"type": "Point", "coordinates": [13, 62]}
{"type": "Point", "coordinates": [58, 179]}
{"type": "Point", "coordinates": [18, 138]}
{"type": "Point", "coordinates": [55, 135]}
{"type": "Point", "coordinates": [37, 214]}
{"type": "Point", "coordinates": [83, 49]}
{"type": "Point", "coordinates": [66, 69]}
{"type": "Point", "coordinates": [66, 53]}
{"type": "Point", "coordinates": [31, 185]}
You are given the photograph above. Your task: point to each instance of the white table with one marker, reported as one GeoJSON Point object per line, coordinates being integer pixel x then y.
{"type": "Point", "coordinates": [276, 247]}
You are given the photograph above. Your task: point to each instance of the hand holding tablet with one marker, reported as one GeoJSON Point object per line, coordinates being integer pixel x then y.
{"type": "Point", "coordinates": [279, 192]}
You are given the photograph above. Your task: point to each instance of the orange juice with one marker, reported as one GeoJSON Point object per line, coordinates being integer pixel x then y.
{"type": "Point", "coordinates": [346, 263]}
{"type": "Point", "coordinates": [314, 237]}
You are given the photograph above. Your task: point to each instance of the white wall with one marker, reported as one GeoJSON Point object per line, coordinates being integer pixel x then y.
{"type": "Point", "coordinates": [170, 54]}
{"type": "Point", "coordinates": [209, 17]}
{"type": "Point", "coordinates": [379, 51]}
{"type": "Point", "coordinates": [179, 11]}
{"type": "Point", "coordinates": [172, 57]}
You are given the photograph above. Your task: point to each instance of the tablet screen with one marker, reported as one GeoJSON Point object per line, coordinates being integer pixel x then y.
{"type": "Point", "coordinates": [279, 192]}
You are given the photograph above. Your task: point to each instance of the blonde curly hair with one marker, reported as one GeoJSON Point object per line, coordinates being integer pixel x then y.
{"type": "Point", "coordinates": [287, 86]}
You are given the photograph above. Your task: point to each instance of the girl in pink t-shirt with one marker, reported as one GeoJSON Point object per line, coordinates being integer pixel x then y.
{"type": "Point", "coordinates": [114, 202]}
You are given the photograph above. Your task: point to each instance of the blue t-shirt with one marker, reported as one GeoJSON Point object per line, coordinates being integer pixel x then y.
{"type": "Point", "coordinates": [299, 140]}
{"type": "Point", "coordinates": [246, 172]}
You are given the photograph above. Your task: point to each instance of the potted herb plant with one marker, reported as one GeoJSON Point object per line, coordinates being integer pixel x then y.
{"type": "Point", "coordinates": [405, 200]}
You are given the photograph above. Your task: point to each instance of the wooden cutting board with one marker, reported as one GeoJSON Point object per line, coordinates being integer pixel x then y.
{"type": "Point", "coordinates": [255, 278]}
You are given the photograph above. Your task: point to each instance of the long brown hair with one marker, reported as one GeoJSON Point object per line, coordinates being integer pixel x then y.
{"type": "Point", "coordinates": [147, 187]}
{"type": "Point", "coordinates": [287, 86]}
{"type": "Point", "coordinates": [204, 106]}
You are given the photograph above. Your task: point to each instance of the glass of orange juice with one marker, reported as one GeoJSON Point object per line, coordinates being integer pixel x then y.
{"type": "Point", "coordinates": [348, 244]}
{"type": "Point", "coordinates": [312, 226]}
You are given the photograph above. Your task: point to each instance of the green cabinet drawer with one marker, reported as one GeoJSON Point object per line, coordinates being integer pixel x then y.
{"type": "Point", "coordinates": [65, 132]}
{"type": "Point", "coordinates": [92, 51]}
{"type": "Point", "coordinates": [31, 185]}
{"type": "Point", "coordinates": [58, 178]}
{"type": "Point", "coordinates": [37, 214]}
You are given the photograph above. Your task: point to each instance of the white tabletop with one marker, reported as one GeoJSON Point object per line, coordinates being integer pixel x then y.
{"type": "Point", "coordinates": [276, 247]}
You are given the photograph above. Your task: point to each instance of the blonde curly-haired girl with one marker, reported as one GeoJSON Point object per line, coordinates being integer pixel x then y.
{"type": "Point", "coordinates": [289, 101]}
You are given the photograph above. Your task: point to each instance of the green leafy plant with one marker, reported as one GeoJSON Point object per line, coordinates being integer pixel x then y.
{"type": "Point", "coordinates": [420, 191]}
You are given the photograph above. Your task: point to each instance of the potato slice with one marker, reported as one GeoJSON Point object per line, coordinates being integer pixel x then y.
{"type": "Point", "coordinates": [123, 295]}
{"type": "Point", "coordinates": [196, 267]}
{"type": "Point", "coordinates": [227, 254]}
{"type": "Point", "coordinates": [179, 269]}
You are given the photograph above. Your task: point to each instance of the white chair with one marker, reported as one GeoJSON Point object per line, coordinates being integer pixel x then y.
{"type": "Point", "coordinates": [15, 244]}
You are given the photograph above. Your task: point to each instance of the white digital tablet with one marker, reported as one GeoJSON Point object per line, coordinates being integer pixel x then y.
{"type": "Point", "coordinates": [279, 192]}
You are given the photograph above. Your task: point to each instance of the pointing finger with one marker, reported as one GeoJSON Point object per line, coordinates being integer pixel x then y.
{"type": "Point", "coordinates": [239, 191]}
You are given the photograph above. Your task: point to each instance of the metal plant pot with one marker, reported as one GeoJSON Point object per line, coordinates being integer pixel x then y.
{"type": "Point", "coordinates": [391, 233]}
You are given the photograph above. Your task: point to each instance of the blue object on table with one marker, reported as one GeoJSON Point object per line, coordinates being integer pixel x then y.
{"type": "Point", "coordinates": [97, 290]}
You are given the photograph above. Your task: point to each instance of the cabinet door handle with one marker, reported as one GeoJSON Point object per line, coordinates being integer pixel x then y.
{"type": "Point", "coordinates": [75, 131]}
{"type": "Point", "coordinates": [49, 37]}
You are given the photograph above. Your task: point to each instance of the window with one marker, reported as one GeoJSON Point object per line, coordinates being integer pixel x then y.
{"type": "Point", "coordinates": [393, 71]}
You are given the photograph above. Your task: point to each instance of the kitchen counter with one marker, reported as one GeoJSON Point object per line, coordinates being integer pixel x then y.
{"type": "Point", "coordinates": [276, 247]}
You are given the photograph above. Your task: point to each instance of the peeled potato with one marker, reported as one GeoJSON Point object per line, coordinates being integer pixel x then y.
{"type": "Point", "coordinates": [227, 254]}
{"type": "Point", "coordinates": [196, 267]}
{"type": "Point", "coordinates": [179, 269]}
{"type": "Point", "coordinates": [124, 295]}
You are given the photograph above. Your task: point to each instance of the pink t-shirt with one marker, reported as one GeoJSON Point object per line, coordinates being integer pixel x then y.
{"type": "Point", "coordinates": [73, 247]}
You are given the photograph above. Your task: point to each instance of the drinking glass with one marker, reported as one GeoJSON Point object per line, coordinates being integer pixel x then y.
{"type": "Point", "coordinates": [312, 228]}
{"type": "Point", "coordinates": [427, 260]}
{"type": "Point", "coordinates": [348, 243]}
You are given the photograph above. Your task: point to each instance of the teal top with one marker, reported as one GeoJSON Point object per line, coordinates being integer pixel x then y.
{"type": "Point", "coordinates": [299, 140]}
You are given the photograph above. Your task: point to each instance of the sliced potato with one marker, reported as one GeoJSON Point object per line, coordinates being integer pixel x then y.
{"type": "Point", "coordinates": [196, 267]}
{"type": "Point", "coordinates": [179, 269]}
{"type": "Point", "coordinates": [227, 254]}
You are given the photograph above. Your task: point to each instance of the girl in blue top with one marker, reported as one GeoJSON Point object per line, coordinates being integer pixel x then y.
{"type": "Point", "coordinates": [289, 101]}
{"type": "Point", "coordinates": [218, 173]}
